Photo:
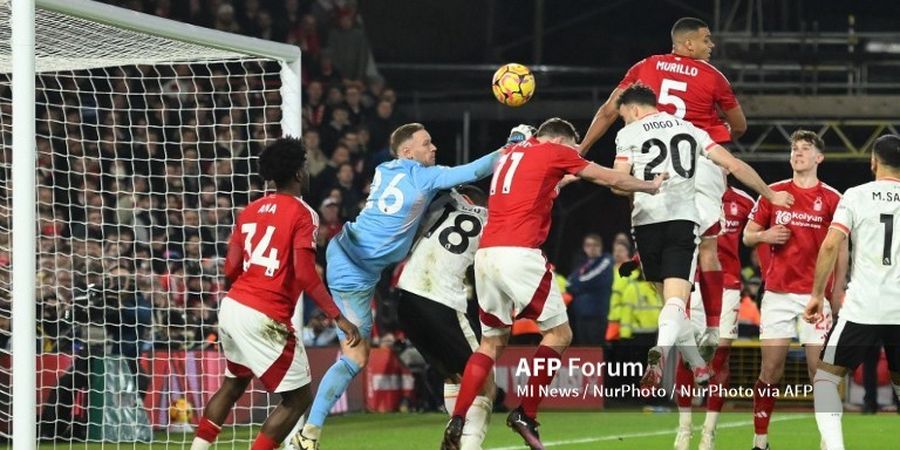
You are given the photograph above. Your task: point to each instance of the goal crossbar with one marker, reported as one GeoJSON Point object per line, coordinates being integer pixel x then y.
{"type": "Point", "coordinates": [171, 29]}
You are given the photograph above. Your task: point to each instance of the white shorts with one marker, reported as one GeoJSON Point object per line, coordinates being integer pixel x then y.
{"type": "Point", "coordinates": [514, 283]}
{"type": "Point", "coordinates": [728, 320]}
{"type": "Point", "coordinates": [781, 317]}
{"type": "Point", "coordinates": [256, 345]}
{"type": "Point", "coordinates": [710, 216]}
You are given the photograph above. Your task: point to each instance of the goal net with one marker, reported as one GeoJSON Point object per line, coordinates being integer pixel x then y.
{"type": "Point", "coordinates": [147, 131]}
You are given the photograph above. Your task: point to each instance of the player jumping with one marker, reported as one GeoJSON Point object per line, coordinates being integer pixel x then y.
{"type": "Point", "coordinates": [382, 235]}
{"type": "Point", "coordinates": [271, 260]}
{"type": "Point", "coordinates": [690, 88]}
{"type": "Point", "coordinates": [511, 272]}
{"type": "Point", "coordinates": [665, 225]}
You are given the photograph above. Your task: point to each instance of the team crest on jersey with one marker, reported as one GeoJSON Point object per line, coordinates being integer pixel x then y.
{"type": "Point", "coordinates": [817, 205]}
{"type": "Point", "coordinates": [734, 208]}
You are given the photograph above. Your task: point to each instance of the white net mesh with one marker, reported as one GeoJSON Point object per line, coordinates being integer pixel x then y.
{"type": "Point", "coordinates": [145, 153]}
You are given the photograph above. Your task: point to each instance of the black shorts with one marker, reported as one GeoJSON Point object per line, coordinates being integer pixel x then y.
{"type": "Point", "coordinates": [667, 249]}
{"type": "Point", "coordinates": [848, 343]}
{"type": "Point", "coordinates": [445, 337]}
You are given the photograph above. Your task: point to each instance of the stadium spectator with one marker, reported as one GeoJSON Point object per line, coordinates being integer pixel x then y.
{"type": "Point", "coordinates": [349, 47]}
{"type": "Point", "coordinates": [590, 285]}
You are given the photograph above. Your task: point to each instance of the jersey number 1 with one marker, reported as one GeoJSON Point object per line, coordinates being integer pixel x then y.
{"type": "Point", "coordinates": [888, 221]}
{"type": "Point", "coordinates": [257, 254]}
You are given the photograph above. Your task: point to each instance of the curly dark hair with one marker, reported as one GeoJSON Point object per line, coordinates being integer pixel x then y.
{"type": "Point", "coordinates": [280, 161]}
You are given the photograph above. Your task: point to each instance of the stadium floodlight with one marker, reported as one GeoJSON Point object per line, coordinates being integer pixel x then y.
{"type": "Point", "coordinates": [141, 120]}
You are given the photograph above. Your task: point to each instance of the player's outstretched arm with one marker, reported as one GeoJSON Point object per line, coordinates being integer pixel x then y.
{"type": "Point", "coordinates": [603, 119]}
{"type": "Point", "coordinates": [605, 176]}
{"type": "Point", "coordinates": [305, 271]}
{"type": "Point", "coordinates": [825, 262]}
{"type": "Point", "coordinates": [747, 175]}
{"type": "Point", "coordinates": [625, 168]}
{"type": "Point", "coordinates": [443, 177]}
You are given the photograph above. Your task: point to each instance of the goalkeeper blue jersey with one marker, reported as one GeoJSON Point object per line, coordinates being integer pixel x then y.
{"type": "Point", "coordinates": [385, 229]}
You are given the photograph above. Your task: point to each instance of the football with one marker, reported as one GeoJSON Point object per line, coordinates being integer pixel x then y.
{"type": "Point", "coordinates": [513, 84]}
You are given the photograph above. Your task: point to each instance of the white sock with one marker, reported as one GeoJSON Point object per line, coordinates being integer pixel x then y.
{"type": "Point", "coordinates": [672, 323]}
{"type": "Point", "coordinates": [760, 440]}
{"type": "Point", "coordinates": [712, 419]}
{"type": "Point", "coordinates": [684, 417]}
{"type": "Point", "coordinates": [477, 419]}
{"type": "Point", "coordinates": [200, 444]}
{"type": "Point", "coordinates": [295, 430]}
{"type": "Point", "coordinates": [829, 408]}
{"type": "Point", "coordinates": [451, 391]}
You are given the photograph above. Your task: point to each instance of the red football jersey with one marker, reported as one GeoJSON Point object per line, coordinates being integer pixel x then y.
{"type": "Point", "coordinates": [737, 205]}
{"type": "Point", "coordinates": [523, 190]}
{"type": "Point", "coordinates": [687, 88]}
{"type": "Point", "coordinates": [793, 264]}
{"type": "Point", "coordinates": [267, 232]}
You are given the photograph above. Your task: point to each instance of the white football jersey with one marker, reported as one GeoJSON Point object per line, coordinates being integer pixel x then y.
{"type": "Point", "coordinates": [870, 215]}
{"type": "Point", "coordinates": [438, 262]}
{"type": "Point", "coordinates": [657, 143]}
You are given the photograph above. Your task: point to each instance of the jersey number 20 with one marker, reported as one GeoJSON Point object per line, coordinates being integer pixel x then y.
{"type": "Point", "coordinates": [671, 150]}
{"type": "Point", "coordinates": [257, 254]}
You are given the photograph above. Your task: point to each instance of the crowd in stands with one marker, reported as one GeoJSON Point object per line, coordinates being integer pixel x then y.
{"type": "Point", "coordinates": [142, 209]}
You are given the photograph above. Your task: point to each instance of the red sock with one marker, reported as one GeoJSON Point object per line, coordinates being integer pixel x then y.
{"type": "Point", "coordinates": [763, 405]}
{"type": "Point", "coordinates": [684, 381]}
{"type": "Point", "coordinates": [711, 285]}
{"type": "Point", "coordinates": [539, 380]}
{"type": "Point", "coordinates": [478, 368]}
{"type": "Point", "coordinates": [207, 430]}
{"type": "Point", "coordinates": [263, 442]}
{"type": "Point", "coordinates": [721, 374]}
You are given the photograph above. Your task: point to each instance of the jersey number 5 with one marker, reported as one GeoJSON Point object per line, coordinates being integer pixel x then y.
{"type": "Point", "coordinates": [665, 98]}
{"type": "Point", "coordinates": [257, 254]}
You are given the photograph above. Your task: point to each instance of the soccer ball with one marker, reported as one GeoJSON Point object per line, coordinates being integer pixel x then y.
{"type": "Point", "coordinates": [513, 84]}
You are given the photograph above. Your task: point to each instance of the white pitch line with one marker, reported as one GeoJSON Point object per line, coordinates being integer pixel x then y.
{"type": "Point", "coordinates": [644, 434]}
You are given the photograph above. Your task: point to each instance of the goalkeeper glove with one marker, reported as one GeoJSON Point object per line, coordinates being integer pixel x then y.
{"type": "Point", "coordinates": [520, 133]}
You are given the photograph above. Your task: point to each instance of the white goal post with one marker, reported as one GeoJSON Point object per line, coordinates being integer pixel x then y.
{"type": "Point", "coordinates": [126, 108]}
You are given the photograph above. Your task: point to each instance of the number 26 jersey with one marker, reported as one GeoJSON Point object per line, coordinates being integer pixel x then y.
{"type": "Point", "coordinates": [657, 143]}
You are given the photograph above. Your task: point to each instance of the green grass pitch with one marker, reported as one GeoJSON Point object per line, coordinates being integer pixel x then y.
{"type": "Point", "coordinates": [560, 430]}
